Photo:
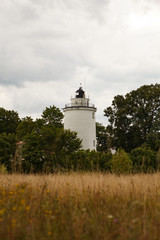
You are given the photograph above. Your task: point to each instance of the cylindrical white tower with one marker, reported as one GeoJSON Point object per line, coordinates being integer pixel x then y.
{"type": "Point", "coordinates": [79, 116]}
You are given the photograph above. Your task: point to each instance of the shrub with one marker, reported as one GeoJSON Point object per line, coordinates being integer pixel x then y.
{"type": "Point", "coordinates": [144, 159]}
{"type": "Point", "coordinates": [3, 169]}
{"type": "Point", "coordinates": [121, 162]}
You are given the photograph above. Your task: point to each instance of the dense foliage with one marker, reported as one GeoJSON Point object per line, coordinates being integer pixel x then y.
{"type": "Point", "coordinates": [121, 162]}
{"type": "Point", "coordinates": [42, 145]}
{"type": "Point", "coordinates": [102, 138]}
{"type": "Point", "coordinates": [134, 125]}
{"type": "Point", "coordinates": [35, 146]}
{"type": "Point", "coordinates": [134, 119]}
{"type": "Point", "coordinates": [9, 121]}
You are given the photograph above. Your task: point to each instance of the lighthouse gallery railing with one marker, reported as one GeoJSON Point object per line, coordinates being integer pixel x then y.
{"type": "Point", "coordinates": [71, 105]}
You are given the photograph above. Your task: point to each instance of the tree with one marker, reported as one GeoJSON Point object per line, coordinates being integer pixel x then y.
{"type": "Point", "coordinates": [9, 121]}
{"type": "Point", "coordinates": [144, 159]}
{"type": "Point", "coordinates": [33, 153]}
{"type": "Point", "coordinates": [25, 127]}
{"type": "Point", "coordinates": [53, 116]}
{"type": "Point", "coordinates": [132, 117]}
{"type": "Point", "coordinates": [68, 142]}
{"type": "Point", "coordinates": [7, 149]}
{"type": "Point", "coordinates": [153, 138]}
{"type": "Point", "coordinates": [102, 138]}
{"type": "Point", "coordinates": [48, 148]}
{"type": "Point", "coordinates": [86, 160]}
{"type": "Point", "coordinates": [39, 148]}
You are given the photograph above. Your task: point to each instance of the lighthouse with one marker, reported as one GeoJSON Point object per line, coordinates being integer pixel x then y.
{"type": "Point", "coordinates": [79, 116]}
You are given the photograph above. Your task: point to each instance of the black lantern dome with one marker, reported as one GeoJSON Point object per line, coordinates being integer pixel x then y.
{"type": "Point", "coordinates": [80, 93]}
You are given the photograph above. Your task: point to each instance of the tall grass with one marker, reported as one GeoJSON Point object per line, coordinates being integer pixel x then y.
{"type": "Point", "coordinates": [79, 206]}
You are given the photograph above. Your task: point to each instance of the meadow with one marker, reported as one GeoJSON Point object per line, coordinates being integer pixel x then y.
{"type": "Point", "coordinates": [80, 206]}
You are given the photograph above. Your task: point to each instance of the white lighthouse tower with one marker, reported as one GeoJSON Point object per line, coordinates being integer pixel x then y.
{"type": "Point", "coordinates": [79, 116]}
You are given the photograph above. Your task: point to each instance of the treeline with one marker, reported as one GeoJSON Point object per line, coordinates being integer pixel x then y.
{"type": "Point", "coordinates": [133, 130]}
{"type": "Point", "coordinates": [43, 146]}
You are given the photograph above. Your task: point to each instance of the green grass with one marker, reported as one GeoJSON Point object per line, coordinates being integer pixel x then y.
{"type": "Point", "coordinates": [80, 206]}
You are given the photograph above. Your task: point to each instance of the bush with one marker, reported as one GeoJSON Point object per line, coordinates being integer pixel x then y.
{"type": "Point", "coordinates": [3, 169]}
{"type": "Point", "coordinates": [91, 161]}
{"type": "Point", "coordinates": [121, 163]}
{"type": "Point", "coordinates": [143, 159]}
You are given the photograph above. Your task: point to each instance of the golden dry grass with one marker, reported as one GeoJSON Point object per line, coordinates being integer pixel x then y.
{"type": "Point", "coordinates": [80, 206]}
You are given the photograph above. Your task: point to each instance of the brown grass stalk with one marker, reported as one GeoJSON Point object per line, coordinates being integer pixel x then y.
{"type": "Point", "coordinates": [79, 206]}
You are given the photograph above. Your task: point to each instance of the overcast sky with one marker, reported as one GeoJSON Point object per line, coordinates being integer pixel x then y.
{"type": "Point", "coordinates": [49, 47]}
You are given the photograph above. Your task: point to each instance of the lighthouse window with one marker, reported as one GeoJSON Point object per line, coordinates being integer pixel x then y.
{"type": "Point", "coordinates": [93, 116]}
{"type": "Point", "coordinates": [94, 143]}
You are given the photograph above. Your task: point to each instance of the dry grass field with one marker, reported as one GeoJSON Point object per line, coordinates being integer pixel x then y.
{"type": "Point", "coordinates": [80, 206]}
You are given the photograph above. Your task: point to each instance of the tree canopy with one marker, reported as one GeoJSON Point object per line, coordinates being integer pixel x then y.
{"type": "Point", "coordinates": [42, 145]}
{"type": "Point", "coordinates": [134, 118]}
{"type": "Point", "coordinates": [30, 146]}
{"type": "Point", "coordinates": [9, 121]}
{"type": "Point", "coordinates": [53, 116]}
{"type": "Point", "coordinates": [25, 127]}
{"type": "Point", "coordinates": [102, 138]}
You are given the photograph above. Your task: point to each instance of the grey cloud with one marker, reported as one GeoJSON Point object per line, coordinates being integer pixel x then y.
{"type": "Point", "coordinates": [42, 64]}
{"type": "Point", "coordinates": [53, 44]}
{"type": "Point", "coordinates": [37, 51]}
{"type": "Point", "coordinates": [98, 9]}
{"type": "Point", "coordinates": [17, 12]}
{"type": "Point", "coordinates": [92, 8]}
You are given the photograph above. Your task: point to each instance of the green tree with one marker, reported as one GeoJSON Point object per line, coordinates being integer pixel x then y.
{"type": "Point", "coordinates": [68, 142]}
{"type": "Point", "coordinates": [121, 162]}
{"type": "Point", "coordinates": [7, 149]}
{"type": "Point", "coordinates": [39, 123]}
{"type": "Point", "coordinates": [86, 160]}
{"type": "Point", "coordinates": [39, 148]}
{"type": "Point", "coordinates": [25, 127]}
{"type": "Point", "coordinates": [153, 138]}
{"type": "Point", "coordinates": [102, 138]}
{"type": "Point", "coordinates": [143, 159]}
{"type": "Point", "coordinates": [48, 148]}
{"type": "Point", "coordinates": [132, 117]}
{"type": "Point", "coordinates": [53, 116]}
{"type": "Point", "coordinates": [9, 121]}
{"type": "Point", "coordinates": [33, 154]}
